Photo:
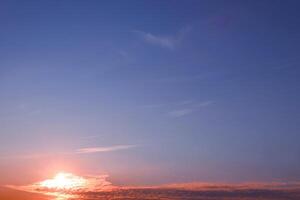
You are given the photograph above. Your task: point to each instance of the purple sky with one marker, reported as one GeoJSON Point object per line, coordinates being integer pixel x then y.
{"type": "Point", "coordinates": [150, 92]}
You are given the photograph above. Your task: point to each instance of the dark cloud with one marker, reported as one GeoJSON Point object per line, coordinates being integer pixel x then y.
{"type": "Point", "coordinates": [181, 194]}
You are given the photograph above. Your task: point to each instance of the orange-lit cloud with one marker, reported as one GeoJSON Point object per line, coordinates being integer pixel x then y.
{"type": "Point", "coordinates": [68, 184]}
{"type": "Point", "coordinates": [238, 186]}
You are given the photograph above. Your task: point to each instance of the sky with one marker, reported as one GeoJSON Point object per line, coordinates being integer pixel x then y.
{"type": "Point", "coordinates": [150, 92]}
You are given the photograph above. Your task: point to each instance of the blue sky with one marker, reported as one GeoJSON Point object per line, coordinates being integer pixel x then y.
{"type": "Point", "coordinates": [163, 91]}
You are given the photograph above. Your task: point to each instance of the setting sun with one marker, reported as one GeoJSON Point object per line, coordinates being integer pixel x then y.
{"type": "Point", "coordinates": [64, 181]}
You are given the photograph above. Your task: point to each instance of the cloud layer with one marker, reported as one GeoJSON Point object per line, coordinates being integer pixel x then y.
{"type": "Point", "coordinates": [98, 187]}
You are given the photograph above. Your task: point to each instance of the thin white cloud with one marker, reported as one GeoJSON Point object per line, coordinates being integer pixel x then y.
{"type": "Point", "coordinates": [180, 113]}
{"type": "Point", "coordinates": [180, 79]}
{"type": "Point", "coordinates": [68, 153]}
{"type": "Point", "coordinates": [169, 42]}
{"type": "Point", "coordinates": [191, 109]}
{"type": "Point", "coordinates": [185, 102]}
{"type": "Point", "coordinates": [151, 106]}
{"type": "Point", "coordinates": [103, 149]}
{"type": "Point", "coordinates": [204, 103]}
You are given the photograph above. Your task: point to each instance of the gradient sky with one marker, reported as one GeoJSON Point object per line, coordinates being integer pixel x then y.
{"type": "Point", "coordinates": [150, 92]}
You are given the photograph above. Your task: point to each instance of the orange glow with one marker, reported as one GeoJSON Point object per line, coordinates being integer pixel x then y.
{"type": "Point", "coordinates": [66, 186]}
{"type": "Point", "coordinates": [64, 181]}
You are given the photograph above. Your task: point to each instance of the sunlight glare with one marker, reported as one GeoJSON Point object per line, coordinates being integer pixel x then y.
{"type": "Point", "coordinates": [64, 181]}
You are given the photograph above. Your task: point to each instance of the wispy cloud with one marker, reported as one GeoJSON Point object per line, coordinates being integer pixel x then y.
{"type": "Point", "coordinates": [103, 149]}
{"type": "Point", "coordinates": [71, 152]}
{"type": "Point", "coordinates": [180, 108]}
{"type": "Point", "coordinates": [204, 104]}
{"type": "Point", "coordinates": [181, 79]}
{"type": "Point", "coordinates": [152, 106]}
{"type": "Point", "coordinates": [181, 112]}
{"type": "Point", "coordinates": [169, 42]}
{"type": "Point", "coordinates": [189, 108]}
